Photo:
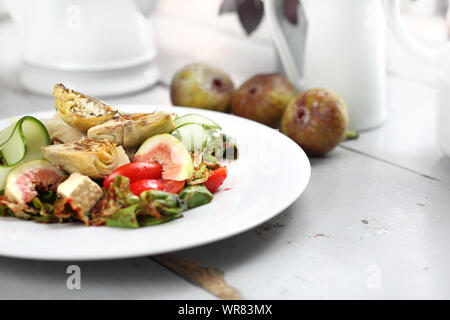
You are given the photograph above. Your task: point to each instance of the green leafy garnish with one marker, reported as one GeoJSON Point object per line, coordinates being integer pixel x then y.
{"type": "Point", "coordinates": [152, 221]}
{"type": "Point", "coordinates": [165, 203]}
{"type": "Point", "coordinates": [117, 197]}
{"type": "Point", "coordinates": [196, 196]}
{"type": "Point", "coordinates": [121, 208]}
{"type": "Point", "coordinates": [124, 218]}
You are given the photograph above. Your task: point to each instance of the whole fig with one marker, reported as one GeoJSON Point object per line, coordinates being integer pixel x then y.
{"type": "Point", "coordinates": [317, 120]}
{"type": "Point", "coordinates": [263, 98]}
{"type": "Point", "coordinates": [202, 86]}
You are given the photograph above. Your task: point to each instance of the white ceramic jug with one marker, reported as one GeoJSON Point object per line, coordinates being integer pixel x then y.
{"type": "Point", "coordinates": [344, 51]}
{"type": "Point", "coordinates": [437, 57]}
{"type": "Point", "coordinates": [101, 46]}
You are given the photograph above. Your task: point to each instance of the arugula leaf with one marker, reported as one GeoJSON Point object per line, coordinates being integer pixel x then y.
{"type": "Point", "coordinates": [151, 208]}
{"type": "Point", "coordinates": [117, 197]}
{"type": "Point", "coordinates": [158, 203]}
{"type": "Point", "coordinates": [152, 221]}
{"type": "Point", "coordinates": [49, 197]}
{"type": "Point", "coordinates": [196, 196]}
{"type": "Point", "coordinates": [124, 218]}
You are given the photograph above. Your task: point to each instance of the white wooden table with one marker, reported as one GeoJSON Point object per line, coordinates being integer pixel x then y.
{"type": "Point", "coordinates": [373, 223]}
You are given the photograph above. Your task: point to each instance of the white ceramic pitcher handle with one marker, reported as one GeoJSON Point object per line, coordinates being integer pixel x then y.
{"type": "Point", "coordinates": [281, 44]}
{"type": "Point", "coordinates": [434, 56]}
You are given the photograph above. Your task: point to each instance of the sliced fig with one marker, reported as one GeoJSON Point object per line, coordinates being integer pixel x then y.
{"type": "Point", "coordinates": [170, 153]}
{"type": "Point", "coordinates": [24, 181]}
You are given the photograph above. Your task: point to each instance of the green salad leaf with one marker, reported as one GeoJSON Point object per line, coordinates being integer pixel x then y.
{"type": "Point", "coordinates": [164, 203]}
{"type": "Point", "coordinates": [121, 208]}
{"type": "Point", "coordinates": [196, 196]}
{"type": "Point", "coordinates": [148, 221]}
{"type": "Point", "coordinates": [124, 218]}
{"type": "Point", "coordinates": [117, 197]}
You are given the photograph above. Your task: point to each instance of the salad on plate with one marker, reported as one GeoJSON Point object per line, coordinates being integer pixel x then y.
{"type": "Point", "coordinates": [93, 164]}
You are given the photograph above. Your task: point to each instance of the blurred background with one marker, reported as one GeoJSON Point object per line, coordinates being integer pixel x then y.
{"type": "Point", "coordinates": [187, 31]}
{"type": "Point", "coordinates": [409, 202]}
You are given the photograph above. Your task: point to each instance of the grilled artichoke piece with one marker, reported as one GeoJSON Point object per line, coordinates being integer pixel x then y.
{"type": "Point", "coordinates": [79, 110]}
{"type": "Point", "coordinates": [131, 130]}
{"type": "Point", "coordinates": [93, 158]}
{"type": "Point", "coordinates": [61, 132]}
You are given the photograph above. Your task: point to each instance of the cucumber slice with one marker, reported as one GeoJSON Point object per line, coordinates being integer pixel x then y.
{"type": "Point", "coordinates": [194, 136]}
{"type": "Point", "coordinates": [195, 119]}
{"type": "Point", "coordinates": [21, 142]}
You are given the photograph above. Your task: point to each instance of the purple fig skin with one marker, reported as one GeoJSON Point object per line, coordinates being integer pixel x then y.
{"type": "Point", "coordinates": [263, 98]}
{"type": "Point", "coordinates": [317, 120]}
{"type": "Point", "coordinates": [202, 86]}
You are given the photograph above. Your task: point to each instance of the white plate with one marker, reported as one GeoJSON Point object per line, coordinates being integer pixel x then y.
{"type": "Point", "coordinates": [271, 173]}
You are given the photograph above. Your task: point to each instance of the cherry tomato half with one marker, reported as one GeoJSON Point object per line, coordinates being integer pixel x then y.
{"type": "Point", "coordinates": [216, 179]}
{"type": "Point", "coordinates": [135, 171]}
{"type": "Point", "coordinates": [173, 186]}
{"type": "Point", "coordinates": [147, 184]}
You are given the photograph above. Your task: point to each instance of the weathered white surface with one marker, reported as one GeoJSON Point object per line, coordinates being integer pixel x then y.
{"type": "Point", "coordinates": [319, 247]}
{"type": "Point", "coordinates": [117, 279]}
{"type": "Point", "coordinates": [408, 138]}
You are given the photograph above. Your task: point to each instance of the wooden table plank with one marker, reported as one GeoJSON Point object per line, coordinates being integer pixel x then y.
{"type": "Point", "coordinates": [362, 229]}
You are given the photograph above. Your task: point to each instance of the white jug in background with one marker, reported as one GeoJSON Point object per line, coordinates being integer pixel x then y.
{"type": "Point", "coordinates": [102, 47]}
{"type": "Point", "coordinates": [437, 57]}
{"type": "Point", "coordinates": [344, 51]}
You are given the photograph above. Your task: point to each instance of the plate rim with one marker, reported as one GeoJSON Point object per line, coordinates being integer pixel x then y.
{"type": "Point", "coordinates": [141, 253]}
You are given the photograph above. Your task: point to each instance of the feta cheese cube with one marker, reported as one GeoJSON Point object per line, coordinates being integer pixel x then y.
{"type": "Point", "coordinates": [82, 190]}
